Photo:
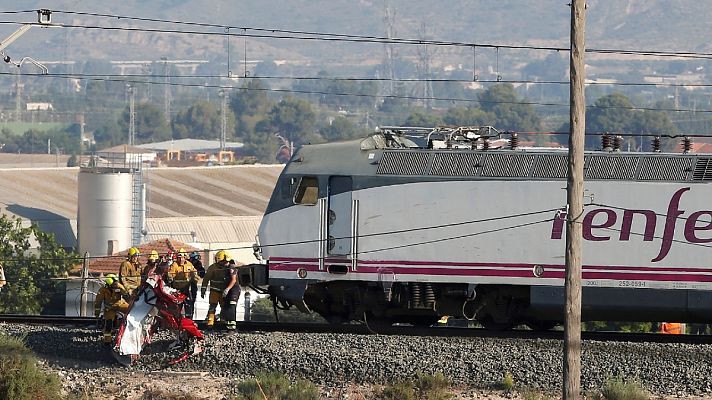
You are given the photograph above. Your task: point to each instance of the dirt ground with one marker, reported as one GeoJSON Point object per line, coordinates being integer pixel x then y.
{"type": "Point", "coordinates": [168, 385]}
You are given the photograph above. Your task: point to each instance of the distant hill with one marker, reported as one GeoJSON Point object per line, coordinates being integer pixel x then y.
{"type": "Point", "coordinates": [673, 25]}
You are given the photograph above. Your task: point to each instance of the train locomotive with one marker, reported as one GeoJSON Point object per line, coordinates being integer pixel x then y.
{"type": "Point", "coordinates": [410, 224]}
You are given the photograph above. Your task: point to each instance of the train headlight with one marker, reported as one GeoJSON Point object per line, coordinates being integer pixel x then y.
{"type": "Point", "coordinates": [302, 273]}
{"type": "Point", "coordinates": [538, 271]}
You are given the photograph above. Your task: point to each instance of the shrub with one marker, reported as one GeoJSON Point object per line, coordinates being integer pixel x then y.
{"type": "Point", "coordinates": [21, 379]}
{"type": "Point", "coordinates": [433, 387]}
{"type": "Point", "coordinates": [532, 394]}
{"type": "Point", "coordinates": [424, 387]}
{"type": "Point", "coordinates": [620, 389]}
{"type": "Point", "coordinates": [276, 386]}
{"type": "Point", "coordinates": [507, 381]}
{"type": "Point", "coordinates": [401, 390]}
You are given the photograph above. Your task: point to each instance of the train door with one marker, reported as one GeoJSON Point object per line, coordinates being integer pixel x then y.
{"type": "Point", "coordinates": [339, 216]}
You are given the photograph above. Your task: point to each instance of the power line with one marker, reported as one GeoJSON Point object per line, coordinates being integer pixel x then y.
{"type": "Point", "coordinates": [370, 79]}
{"type": "Point", "coordinates": [318, 92]}
{"type": "Point", "coordinates": [381, 39]}
{"type": "Point", "coordinates": [384, 233]}
{"type": "Point", "coordinates": [270, 33]}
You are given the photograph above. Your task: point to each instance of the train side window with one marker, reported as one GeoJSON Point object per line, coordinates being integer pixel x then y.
{"type": "Point", "coordinates": [307, 191]}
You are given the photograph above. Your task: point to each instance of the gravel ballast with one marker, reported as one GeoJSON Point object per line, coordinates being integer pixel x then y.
{"type": "Point", "coordinates": [663, 369]}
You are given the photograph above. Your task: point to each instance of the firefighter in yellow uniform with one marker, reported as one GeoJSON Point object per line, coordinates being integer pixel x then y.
{"type": "Point", "coordinates": [151, 264]}
{"type": "Point", "coordinates": [182, 275]}
{"type": "Point", "coordinates": [111, 295]}
{"type": "Point", "coordinates": [130, 271]}
{"type": "Point", "coordinates": [215, 278]}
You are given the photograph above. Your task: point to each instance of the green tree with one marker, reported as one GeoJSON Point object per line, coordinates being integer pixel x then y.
{"type": "Point", "coordinates": [250, 100]}
{"type": "Point", "coordinates": [202, 120]}
{"type": "Point", "coordinates": [467, 116]}
{"type": "Point", "coordinates": [292, 118]}
{"type": "Point", "coordinates": [616, 114]}
{"type": "Point", "coordinates": [109, 134]}
{"type": "Point", "coordinates": [340, 129]}
{"type": "Point", "coordinates": [29, 271]}
{"type": "Point", "coordinates": [422, 119]}
{"type": "Point", "coordinates": [261, 143]}
{"type": "Point", "coordinates": [151, 124]}
{"type": "Point", "coordinates": [612, 113]}
{"type": "Point", "coordinates": [510, 112]}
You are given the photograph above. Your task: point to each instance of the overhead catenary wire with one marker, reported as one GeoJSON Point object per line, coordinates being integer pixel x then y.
{"type": "Point", "coordinates": [275, 33]}
{"type": "Point", "coordinates": [383, 233]}
{"type": "Point", "coordinates": [320, 92]}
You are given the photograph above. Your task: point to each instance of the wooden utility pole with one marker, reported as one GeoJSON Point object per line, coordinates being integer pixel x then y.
{"type": "Point", "coordinates": [577, 113]}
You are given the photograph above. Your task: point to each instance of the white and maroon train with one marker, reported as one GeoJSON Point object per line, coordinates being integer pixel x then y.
{"type": "Point", "coordinates": [410, 224]}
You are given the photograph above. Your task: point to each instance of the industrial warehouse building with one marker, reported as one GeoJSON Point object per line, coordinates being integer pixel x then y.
{"type": "Point", "coordinates": [205, 208]}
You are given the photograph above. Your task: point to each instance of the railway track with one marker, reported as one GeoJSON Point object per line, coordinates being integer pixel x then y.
{"type": "Point", "coordinates": [403, 330]}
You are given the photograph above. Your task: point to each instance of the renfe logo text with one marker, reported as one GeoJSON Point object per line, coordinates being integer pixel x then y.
{"type": "Point", "coordinates": [599, 222]}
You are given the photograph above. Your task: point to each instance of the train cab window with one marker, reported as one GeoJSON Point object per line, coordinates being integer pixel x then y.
{"type": "Point", "coordinates": [288, 187]}
{"type": "Point", "coordinates": [307, 191]}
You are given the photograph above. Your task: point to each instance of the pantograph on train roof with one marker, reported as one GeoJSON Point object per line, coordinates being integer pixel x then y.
{"type": "Point", "coordinates": [440, 137]}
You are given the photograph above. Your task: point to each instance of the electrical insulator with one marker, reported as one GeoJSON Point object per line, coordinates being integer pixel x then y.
{"type": "Point", "coordinates": [656, 144]}
{"type": "Point", "coordinates": [606, 142]}
{"type": "Point", "coordinates": [617, 140]}
{"type": "Point", "coordinates": [514, 141]}
{"type": "Point", "coordinates": [686, 144]}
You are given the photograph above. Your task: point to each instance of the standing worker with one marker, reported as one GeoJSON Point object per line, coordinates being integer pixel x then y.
{"type": "Point", "coordinates": [151, 264]}
{"type": "Point", "coordinates": [215, 278]}
{"type": "Point", "coordinates": [111, 295]}
{"type": "Point", "coordinates": [231, 294]}
{"type": "Point", "coordinates": [195, 260]}
{"type": "Point", "coordinates": [183, 276]}
{"type": "Point", "coordinates": [130, 271]}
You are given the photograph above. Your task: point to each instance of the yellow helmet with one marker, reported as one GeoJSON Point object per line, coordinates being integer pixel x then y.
{"type": "Point", "coordinates": [153, 256]}
{"type": "Point", "coordinates": [110, 279]}
{"type": "Point", "coordinates": [221, 256]}
{"type": "Point", "coordinates": [182, 253]}
{"type": "Point", "coordinates": [134, 252]}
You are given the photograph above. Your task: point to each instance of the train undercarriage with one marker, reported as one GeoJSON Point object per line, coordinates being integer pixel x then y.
{"type": "Point", "coordinates": [496, 307]}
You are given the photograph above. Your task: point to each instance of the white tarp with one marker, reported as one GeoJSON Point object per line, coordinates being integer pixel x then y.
{"type": "Point", "coordinates": [138, 323]}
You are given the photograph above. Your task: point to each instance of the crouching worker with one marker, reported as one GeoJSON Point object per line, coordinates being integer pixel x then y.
{"type": "Point", "coordinates": [111, 296]}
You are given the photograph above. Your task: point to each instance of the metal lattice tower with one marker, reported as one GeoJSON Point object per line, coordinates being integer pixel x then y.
{"type": "Point", "coordinates": [389, 16]}
{"type": "Point", "coordinates": [18, 96]}
{"type": "Point", "coordinates": [138, 199]}
{"type": "Point", "coordinates": [132, 114]}
{"type": "Point", "coordinates": [223, 113]}
{"type": "Point", "coordinates": [424, 58]}
{"type": "Point", "coordinates": [166, 90]}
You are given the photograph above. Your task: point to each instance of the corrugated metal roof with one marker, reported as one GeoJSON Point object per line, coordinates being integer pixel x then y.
{"type": "Point", "coordinates": [205, 229]}
{"type": "Point", "coordinates": [124, 148]}
{"type": "Point", "coordinates": [190, 145]}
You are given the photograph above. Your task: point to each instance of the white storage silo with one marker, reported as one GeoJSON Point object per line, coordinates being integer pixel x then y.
{"type": "Point", "coordinates": [105, 210]}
